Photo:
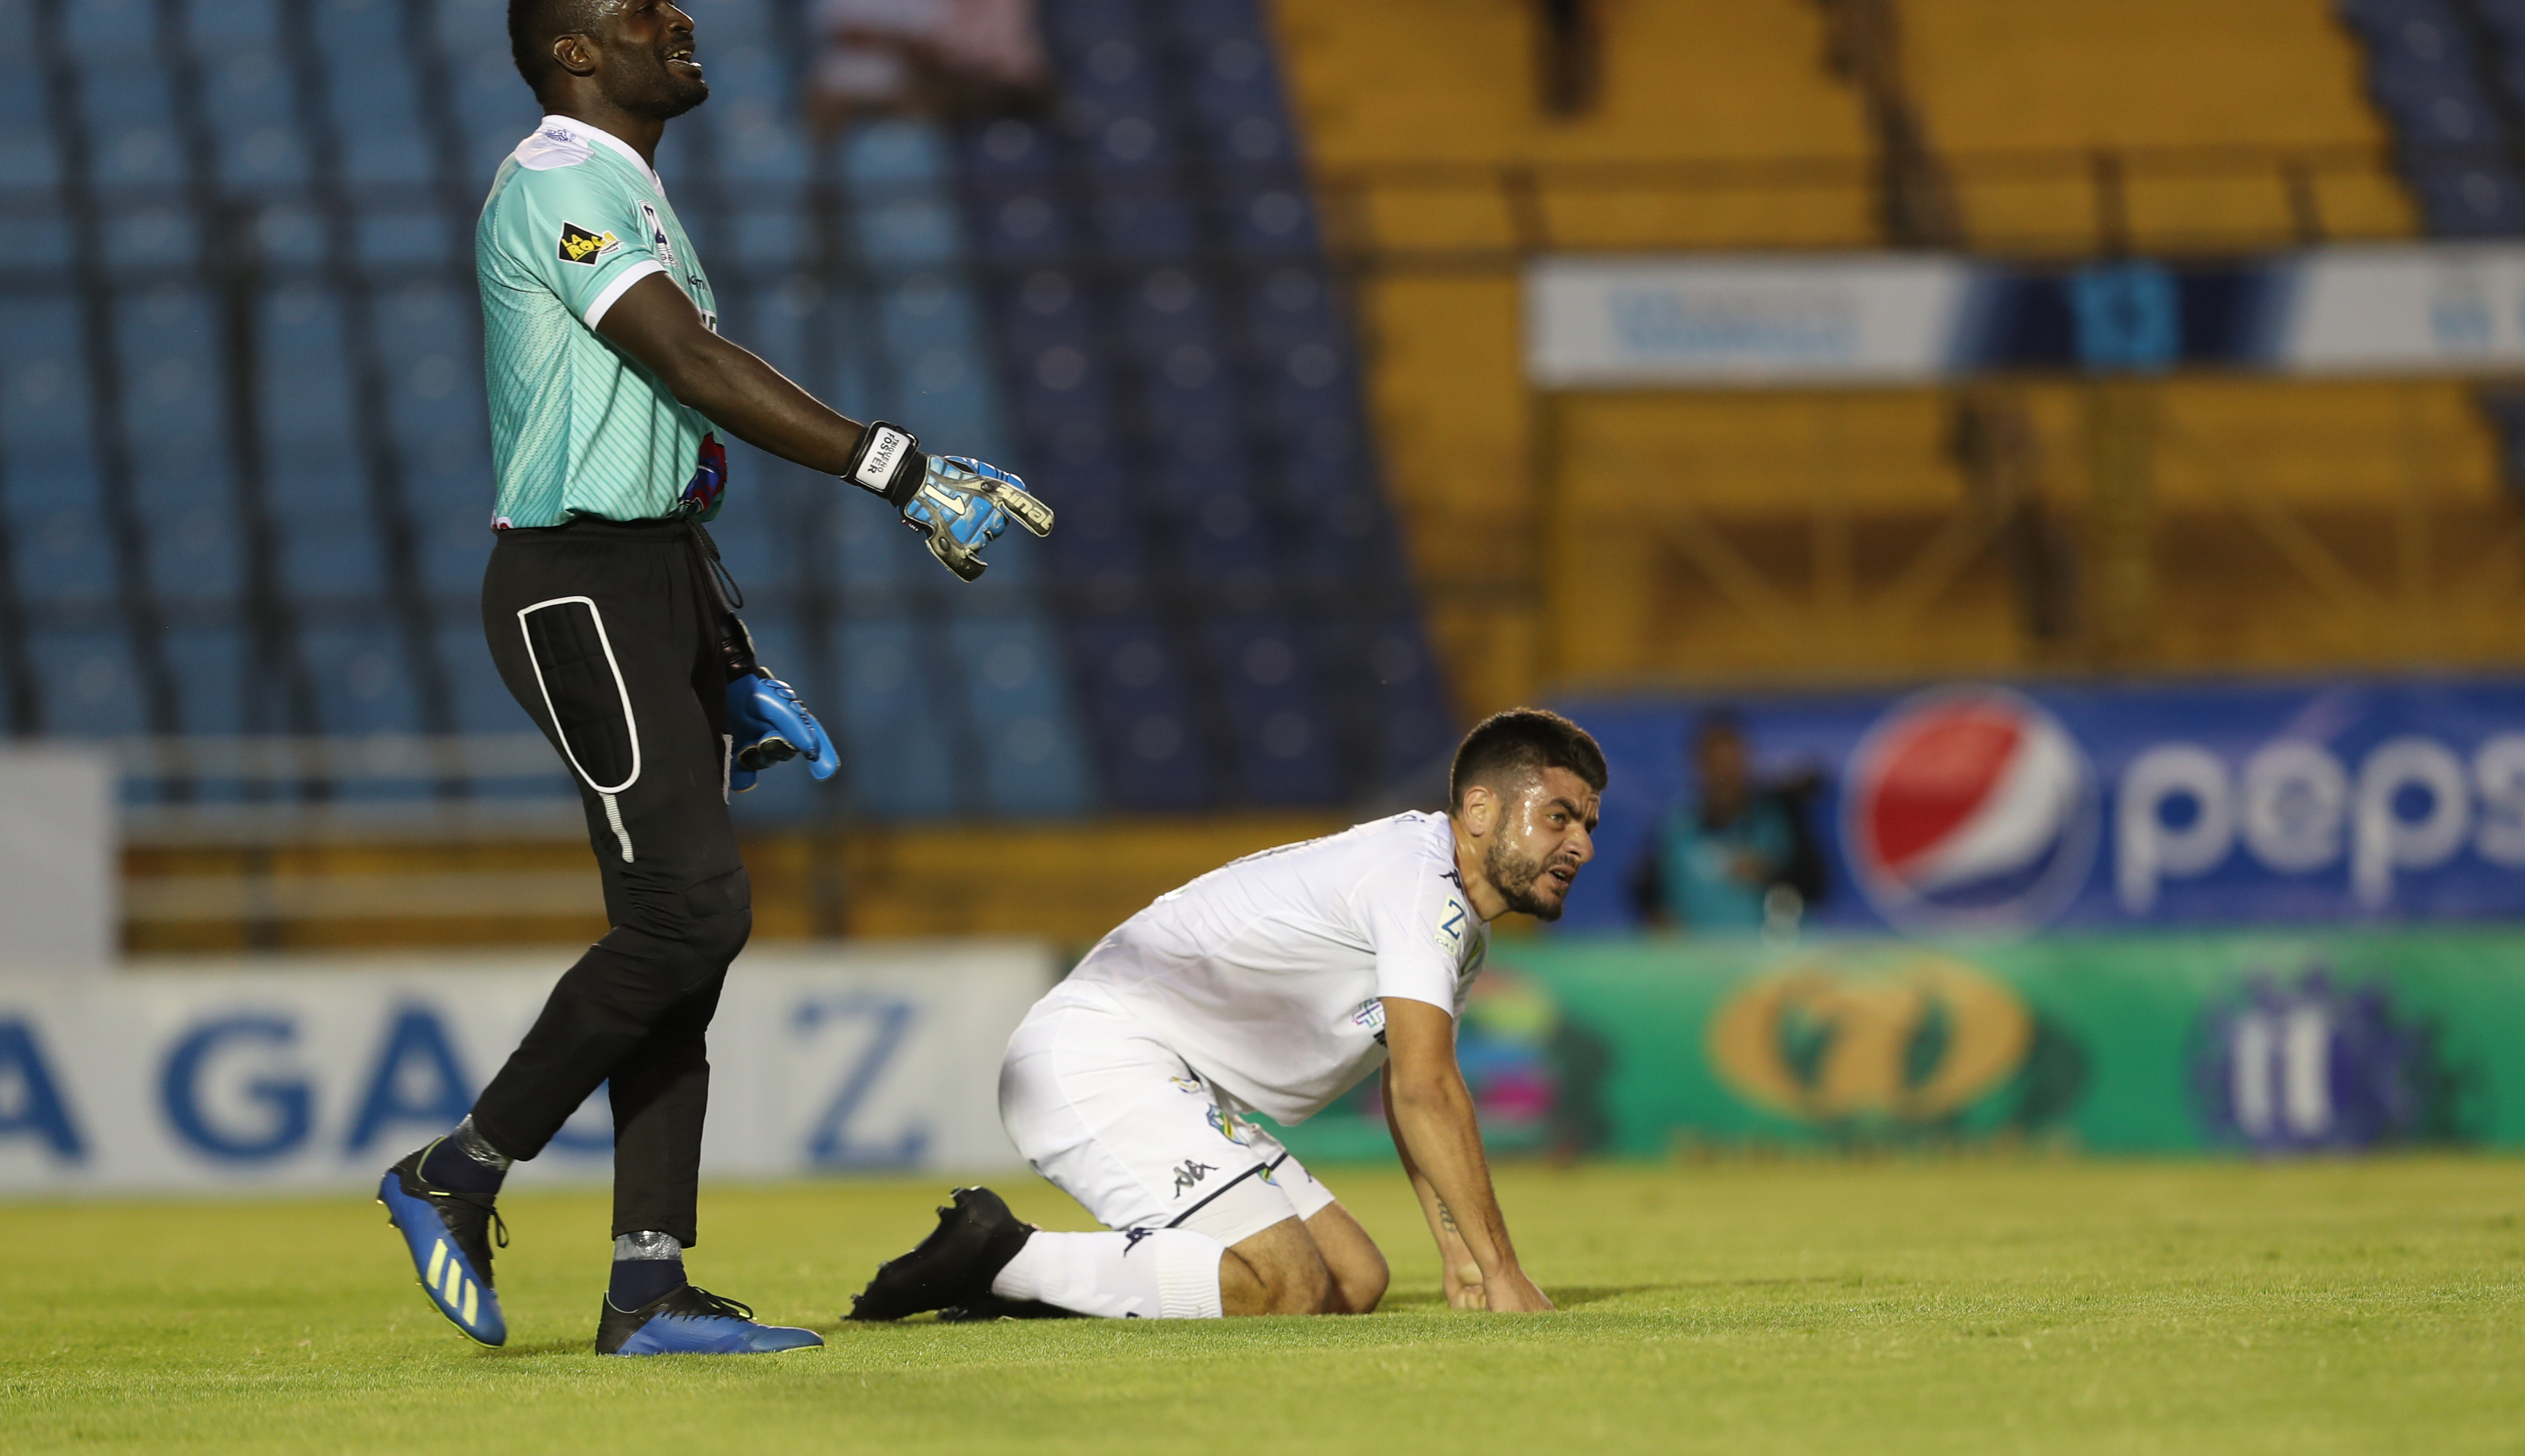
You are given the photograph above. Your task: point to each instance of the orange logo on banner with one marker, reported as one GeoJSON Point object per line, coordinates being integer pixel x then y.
{"type": "Point", "coordinates": [1912, 1041]}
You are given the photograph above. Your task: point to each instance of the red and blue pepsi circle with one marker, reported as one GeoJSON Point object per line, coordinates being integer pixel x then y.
{"type": "Point", "coordinates": [1970, 810]}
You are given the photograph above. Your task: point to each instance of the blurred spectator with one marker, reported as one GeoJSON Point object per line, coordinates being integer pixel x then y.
{"type": "Point", "coordinates": [1737, 855]}
{"type": "Point", "coordinates": [941, 58]}
{"type": "Point", "coordinates": [1571, 57]}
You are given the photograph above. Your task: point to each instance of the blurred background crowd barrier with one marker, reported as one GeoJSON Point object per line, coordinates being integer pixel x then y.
{"type": "Point", "coordinates": [2036, 482]}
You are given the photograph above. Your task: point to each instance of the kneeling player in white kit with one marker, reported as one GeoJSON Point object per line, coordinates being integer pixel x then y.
{"type": "Point", "coordinates": [1273, 984]}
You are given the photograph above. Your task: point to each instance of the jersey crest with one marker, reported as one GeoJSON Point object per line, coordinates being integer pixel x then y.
{"type": "Point", "coordinates": [582, 246]}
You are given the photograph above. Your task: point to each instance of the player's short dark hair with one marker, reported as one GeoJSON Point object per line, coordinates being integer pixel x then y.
{"type": "Point", "coordinates": [1523, 741]}
{"type": "Point", "coordinates": [532, 26]}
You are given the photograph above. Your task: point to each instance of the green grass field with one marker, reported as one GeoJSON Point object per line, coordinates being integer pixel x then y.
{"type": "Point", "coordinates": [1791, 1307]}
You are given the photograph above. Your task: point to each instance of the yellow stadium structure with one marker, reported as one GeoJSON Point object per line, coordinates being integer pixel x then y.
{"type": "Point", "coordinates": [2183, 523]}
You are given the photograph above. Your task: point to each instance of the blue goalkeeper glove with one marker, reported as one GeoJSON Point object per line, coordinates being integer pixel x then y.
{"type": "Point", "coordinates": [958, 504]}
{"type": "Point", "coordinates": [768, 725]}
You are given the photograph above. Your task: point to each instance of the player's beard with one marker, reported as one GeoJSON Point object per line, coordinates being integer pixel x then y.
{"type": "Point", "coordinates": [655, 90]}
{"type": "Point", "coordinates": [1515, 876]}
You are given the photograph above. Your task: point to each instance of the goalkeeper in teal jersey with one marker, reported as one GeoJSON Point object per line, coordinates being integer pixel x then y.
{"type": "Point", "coordinates": [607, 617]}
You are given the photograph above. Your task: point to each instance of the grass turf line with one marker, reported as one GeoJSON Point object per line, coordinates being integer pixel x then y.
{"type": "Point", "coordinates": [1750, 1308]}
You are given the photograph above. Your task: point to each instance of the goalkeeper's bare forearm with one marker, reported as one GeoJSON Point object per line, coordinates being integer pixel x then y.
{"type": "Point", "coordinates": [1431, 1112]}
{"type": "Point", "coordinates": [658, 326]}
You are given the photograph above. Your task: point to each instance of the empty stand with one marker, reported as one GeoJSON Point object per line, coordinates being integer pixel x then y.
{"type": "Point", "coordinates": [2232, 126]}
{"type": "Point", "coordinates": [245, 475]}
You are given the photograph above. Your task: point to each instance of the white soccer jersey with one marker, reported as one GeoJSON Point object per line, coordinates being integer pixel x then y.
{"type": "Point", "coordinates": [1269, 975]}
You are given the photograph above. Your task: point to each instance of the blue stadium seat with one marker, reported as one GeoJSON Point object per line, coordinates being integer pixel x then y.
{"type": "Point", "coordinates": [2469, 201]}
{"type": "Point", "coordinates": [364, 682]}
{"type": "Point", "coordinates": [1019, 697]}
{"type": "Point", "coordinates": [1284, 742]}
{"type": "Point", "coordinates": [131, 127]}
{"type": "Point", "coordinates": [328, 544]}
{"type": "Point", "coordinates": [895, 740]}
{"type": "Point", "coordinates": [195, 554]}
{"type": "Point", "coordinates": [209, 666]}
{"type": "Point", "coordinates": [454, 544]}
{"type": "Point", "coordinates": [43, 379]}
{"type": "Point", "coordinates": [109, 33]}
{"type": "Point", "coordinates": [215, 27]}
{"type": "Point", "coordinates": [89, 686]}
{"type": "Point", "coordinates": [28, 155]}
{"type": "Point", "coordinates": [1150, 734]}
{"type": "Point", "coordinates": [483, 703]}
{"type": "Point", "coordinates": [64, 556]}
{"type": "Point", "coordinates": [250, 94]}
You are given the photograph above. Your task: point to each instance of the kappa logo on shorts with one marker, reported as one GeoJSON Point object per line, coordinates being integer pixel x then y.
{"type": "Point", "coordinates": [1190, 1175]}
{"type": "Point", "coordinates": [1131, 1239]}
{"type": "Point", "coordinates": [580, 245]}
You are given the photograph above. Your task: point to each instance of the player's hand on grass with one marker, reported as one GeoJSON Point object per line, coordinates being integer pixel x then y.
{"type": "Point", "coordinates": [1510, 1292]}
{"type": "Point", "coordinates": [1465, 1284]}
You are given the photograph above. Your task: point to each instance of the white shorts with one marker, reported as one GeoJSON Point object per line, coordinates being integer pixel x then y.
{"type": "Point", "coordinates": [1116, 1120]}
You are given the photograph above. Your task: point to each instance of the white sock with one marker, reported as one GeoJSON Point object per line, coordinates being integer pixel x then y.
{"type": "Point", "coordinates": [1142, 1274]}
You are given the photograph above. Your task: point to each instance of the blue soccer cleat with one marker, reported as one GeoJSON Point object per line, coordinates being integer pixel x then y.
{"type": "Point", "coordinates": [690, 1321]}
{"type": "Point", "coordinates": [449, 1237]}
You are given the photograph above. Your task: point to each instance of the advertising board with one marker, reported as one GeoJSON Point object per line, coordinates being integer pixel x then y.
{"type": "Point", "coordinates": [1985, 810]}
{"type": "Point", "coordinates": [1649, 321]}
{"type": "Point", "coordinates": [317, 1075]}
{"type": "Point", "coordinates": [2265, 1044]}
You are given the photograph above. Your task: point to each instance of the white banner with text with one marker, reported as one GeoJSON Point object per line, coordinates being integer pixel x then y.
{"type": "Point", "coordinates": [303, 1073]}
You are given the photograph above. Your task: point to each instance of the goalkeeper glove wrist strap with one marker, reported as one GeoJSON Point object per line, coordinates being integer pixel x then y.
{"type": "Point", "coordinates": [889, 462]}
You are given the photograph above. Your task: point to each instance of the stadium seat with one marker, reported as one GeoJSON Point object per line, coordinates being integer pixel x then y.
{"type": "Point", "coordinates": [90, 688]}
{"type": "Point", "coordinates": [971, 295]}
{"type": "Point", "coordinates": [894, 733]}
{"type": "Point", "coordinates": [1019, 699]}
{"type": "Point", "coordinates": [209, 666]}
{"type": "Point", "coordinates": [1154, 754]}
{"type": "Point", "coordinates": [64, 556]}
{"type": "Point", "coordinates": [483, 703]}
{"type": "Point", "coordinates": [364, 683]}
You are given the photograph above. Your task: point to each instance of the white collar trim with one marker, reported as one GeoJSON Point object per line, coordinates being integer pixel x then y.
{"type": "Point", "coordinates": [604, 139]}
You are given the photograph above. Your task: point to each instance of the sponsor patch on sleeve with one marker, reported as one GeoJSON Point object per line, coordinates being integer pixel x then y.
{"type": "Point", "coordinates": [578, 245]}
{"type": "Point", "coordinates": [1448, 931]}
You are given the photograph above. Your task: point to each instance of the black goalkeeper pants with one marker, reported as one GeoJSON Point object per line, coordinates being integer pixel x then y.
{"type": "Point", "coordinates": [607, 634]}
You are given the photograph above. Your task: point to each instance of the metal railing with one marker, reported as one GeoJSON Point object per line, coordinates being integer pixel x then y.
{"type": "Point", "coordinates": [181, 790]}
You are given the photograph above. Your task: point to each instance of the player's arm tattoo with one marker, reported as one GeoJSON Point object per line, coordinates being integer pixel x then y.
{"type": "Point", "coordinates": [1446, 1217]}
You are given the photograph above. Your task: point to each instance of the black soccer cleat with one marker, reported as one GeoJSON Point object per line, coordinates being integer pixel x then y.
{"type": "Point", "coordinates": [690, 1321]}
{"type": "Point", "coordinates": [449, 1236]}
{"type": "Point", "coordinates": [975, 1238]}
{"type": "Point", "coordinates": [990, 1308]}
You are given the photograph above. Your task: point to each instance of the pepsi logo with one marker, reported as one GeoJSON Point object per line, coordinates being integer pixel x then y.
{"type": "Point", "coordinates": [1970, 809]}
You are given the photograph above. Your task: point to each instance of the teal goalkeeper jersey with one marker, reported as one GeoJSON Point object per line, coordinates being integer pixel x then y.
{"type": "Point", "coordinates": [574, 220]}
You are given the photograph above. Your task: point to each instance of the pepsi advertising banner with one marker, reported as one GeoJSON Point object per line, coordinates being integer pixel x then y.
{"type": "Point", "coordinates": [1988, 810]}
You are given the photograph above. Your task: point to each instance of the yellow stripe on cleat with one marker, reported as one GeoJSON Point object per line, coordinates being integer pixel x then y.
{"type": "Point", "coordinates": [437, 1261]}
{"type": "Point", "coordinates": [468, 1301]}
{"type": "Point", "coordinates": [453, 1282]}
